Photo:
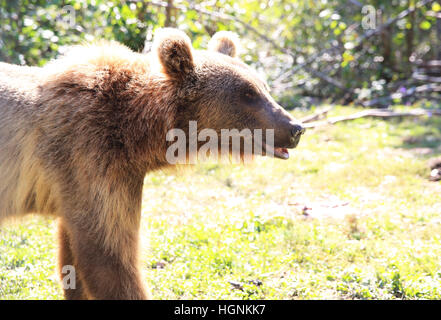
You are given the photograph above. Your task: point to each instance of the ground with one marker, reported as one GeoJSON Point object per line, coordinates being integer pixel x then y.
{"type": "Point", "coordinates": [351, 215]}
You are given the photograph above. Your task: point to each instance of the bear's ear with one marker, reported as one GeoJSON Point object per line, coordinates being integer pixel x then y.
{"type": "Point", "coordinates": [174, 51]}
{"type": "Point", "coordinates": [225, 42]}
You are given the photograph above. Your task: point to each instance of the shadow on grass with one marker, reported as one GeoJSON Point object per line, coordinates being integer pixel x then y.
{"type": "Point", "coordinates": [420, 136]}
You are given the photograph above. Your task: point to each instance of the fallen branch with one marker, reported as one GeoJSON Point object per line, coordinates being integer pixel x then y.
{"type": "Point", "coordinates": [431, 87]}
{"type": "Point", "coordinates": [423, 77]}
{"type": "Point", "coordinates": [375, 113]}
{"type": "Point", "coordinates": [316, 116]}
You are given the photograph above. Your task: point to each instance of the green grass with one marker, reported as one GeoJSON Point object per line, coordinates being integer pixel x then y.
{"type": "Point", "coordinates": [374, 230]}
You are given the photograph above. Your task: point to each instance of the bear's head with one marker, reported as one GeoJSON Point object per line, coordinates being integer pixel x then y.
{"type": "Point", "coordinates": [220, 92]}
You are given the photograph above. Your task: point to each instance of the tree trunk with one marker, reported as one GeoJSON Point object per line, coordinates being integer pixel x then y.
{"type": "Point", "coordinates": [409, 35]}
{"type": "Point", "coordinates": [386, 43]}
{"type": "Point", "coordinates": [168, 13]}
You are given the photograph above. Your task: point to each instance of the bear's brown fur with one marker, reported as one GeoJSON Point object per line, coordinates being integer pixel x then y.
{"type": "Point", "coordinates": [78, 136]}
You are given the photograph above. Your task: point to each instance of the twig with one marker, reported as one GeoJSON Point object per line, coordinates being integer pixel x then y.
{"type": "Point", "coordinates": [433, 14]}
{"type": "Point", "coordinates": [316, 116]}
{"type": "Point", "coordinates": [375, 113]}
{"type": "Point", "coordinates": [422, 77]}
{"type": "Point", "coordinates": [398, 95]}
{"type": "Point", "coordinates": [357, 3]}
{"type": "Point", "coordinates": [391, 21]}
{"type": "Point", "coordinates": [304, 65]}
{"type": "Point", "coordinates": [223, 16]}
{"type": "Point", "coordinates": [364, 37]}
{"type": "Point", "coordinates": [217, 15]}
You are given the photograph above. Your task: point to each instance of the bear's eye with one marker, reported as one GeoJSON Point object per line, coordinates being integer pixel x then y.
{"type": "Point", "coordinates": [249, 94]}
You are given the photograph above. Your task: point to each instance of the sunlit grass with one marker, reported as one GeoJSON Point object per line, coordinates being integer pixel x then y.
{"type": "Point", "coordinates": [373, 231]}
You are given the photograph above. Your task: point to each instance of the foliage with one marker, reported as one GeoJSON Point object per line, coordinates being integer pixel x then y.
{"type": "Point", "coordinates": [243, 224]}
{"type": "Point", "coordinates": [34, 31]}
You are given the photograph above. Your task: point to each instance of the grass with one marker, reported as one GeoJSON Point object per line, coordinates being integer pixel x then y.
{"type": "Point", "coordinates": [351, 215]}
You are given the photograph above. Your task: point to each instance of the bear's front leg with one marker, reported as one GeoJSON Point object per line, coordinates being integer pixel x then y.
{"type": "Point", "coordinates": [108, 271]}
{"type": "Point", "coordinates": [105, 249]}
{"type": "Point", "coordinates": [72, 291]}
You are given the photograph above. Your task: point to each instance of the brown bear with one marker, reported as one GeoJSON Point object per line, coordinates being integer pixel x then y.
{"type": "Point", "coordinates": [78, 136]}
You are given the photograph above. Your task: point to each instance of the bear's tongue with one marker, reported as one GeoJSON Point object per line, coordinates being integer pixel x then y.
{"type": "Point", "coordinates": [281, 153]}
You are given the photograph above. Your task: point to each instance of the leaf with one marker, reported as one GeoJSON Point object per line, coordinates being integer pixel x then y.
{"type": "Point", "coordinates": [436, 7]}
{"type": "Point", "coordinates": [425, 25]}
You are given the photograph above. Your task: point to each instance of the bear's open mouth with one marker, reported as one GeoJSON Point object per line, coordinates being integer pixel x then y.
{"type": "Point", "coordinates": [283, 153]}
{"type": "Point", "coordinates": [280, 153]}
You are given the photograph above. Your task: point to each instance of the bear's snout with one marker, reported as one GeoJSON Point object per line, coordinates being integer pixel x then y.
{"type": "Point", "coordinates": [296, 131]}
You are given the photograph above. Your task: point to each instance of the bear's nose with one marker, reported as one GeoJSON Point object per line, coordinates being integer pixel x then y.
{"type": "Point", "coordinates": [297, 130]}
